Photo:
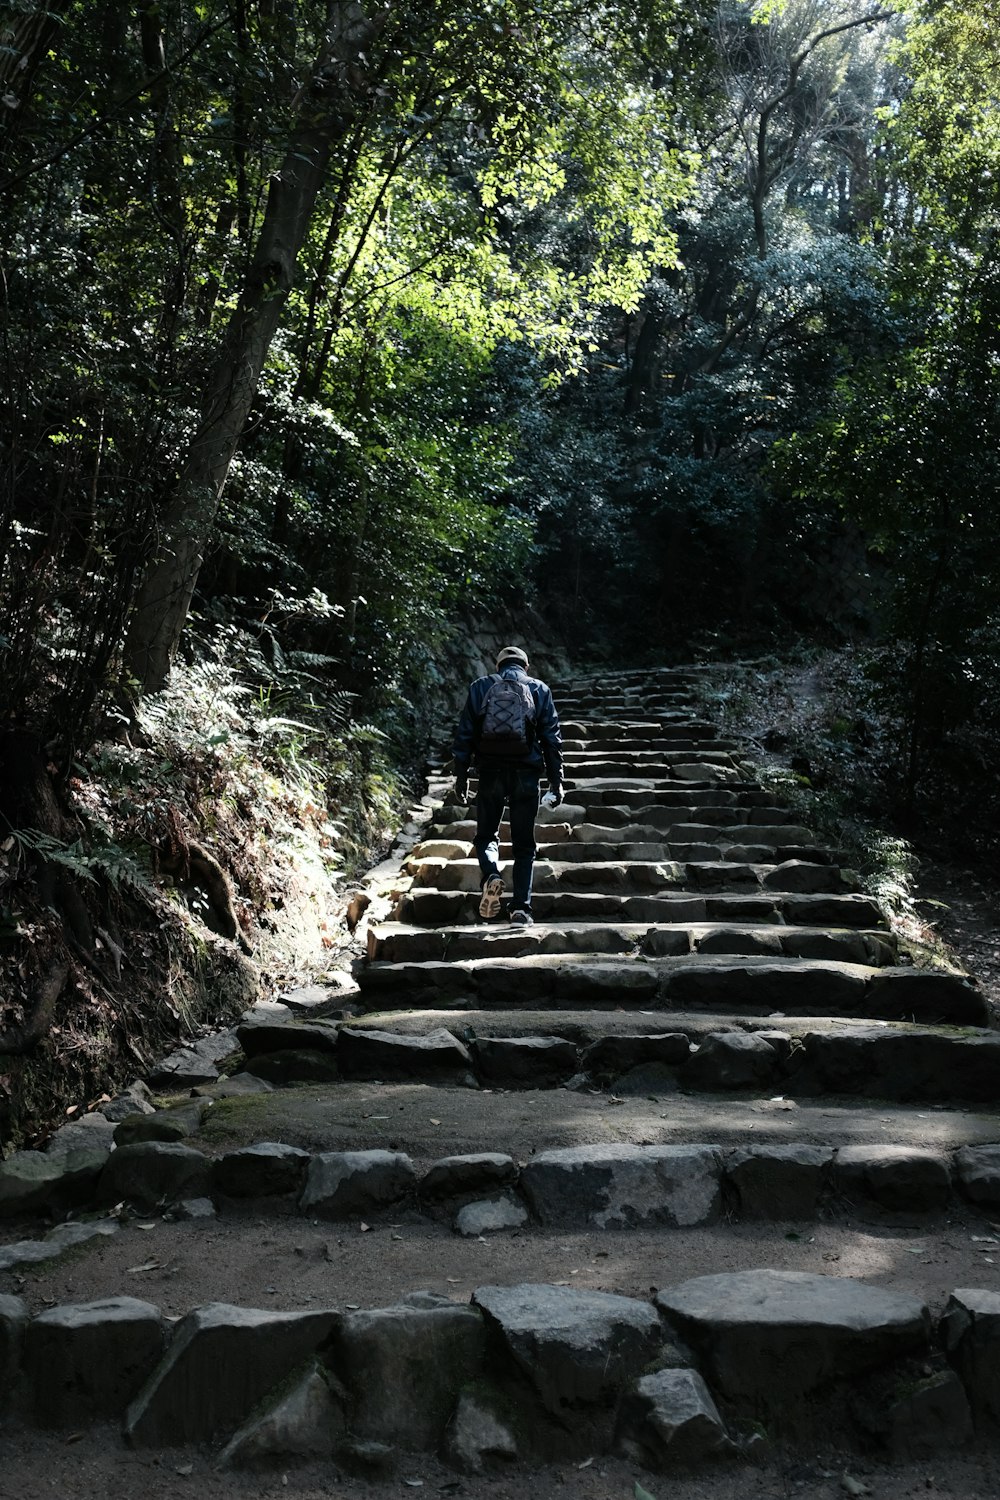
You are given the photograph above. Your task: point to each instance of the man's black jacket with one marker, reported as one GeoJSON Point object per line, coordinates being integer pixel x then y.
{"type": "Point", "coordinates": [546, 736]}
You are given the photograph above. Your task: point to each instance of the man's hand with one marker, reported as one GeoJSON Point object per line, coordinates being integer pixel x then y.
{"type": "Point", "coordinates": [554, 795]}
{"type": "Point", "coordinates": [462, 784]}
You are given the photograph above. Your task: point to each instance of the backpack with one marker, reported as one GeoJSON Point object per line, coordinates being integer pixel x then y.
{"type": "Point", "coordinates": [508, 713]}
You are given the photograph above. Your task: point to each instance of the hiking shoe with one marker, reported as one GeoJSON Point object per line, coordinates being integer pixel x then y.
{"type": "Point", "coordinates": [489, 906]}
{"type": "Point", "coordinates": [521, 918]}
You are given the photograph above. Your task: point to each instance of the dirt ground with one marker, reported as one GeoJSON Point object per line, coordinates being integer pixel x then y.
{"type": "Point", "coordinates": [94, 1466]}
{"type": "Point", "coordinates": [962, 907]}
{"type": "Point", "coordinates": [294, 1263]}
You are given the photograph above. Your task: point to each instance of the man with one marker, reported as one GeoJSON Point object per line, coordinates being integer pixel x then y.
{"type": "Point", "coordinates": [509, 725]}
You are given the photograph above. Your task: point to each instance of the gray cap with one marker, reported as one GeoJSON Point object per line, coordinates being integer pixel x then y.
{"type": "Point", "coordinates": [512, 653]}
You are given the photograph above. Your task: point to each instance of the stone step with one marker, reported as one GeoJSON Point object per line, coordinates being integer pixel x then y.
{"type": "Point", "coordinates": [432, 908]}
{"type": "Point", "coordinates": [393, 942]}
{"type": "Point", "coordinates": [640, 752]}
{"type": "Point", "coordinates": [658, 733]}
{"type": "Point", "coordinates": [569, 851]}
{"type": "Point", "coordinates": [639, 1055]}
{"type": "Point", "coordinates": [634, 760]}
{"type": "Point", "coordinates": [530, 1372]}
{"type": "Point", "coordinates": [683, 767]}
{"type": "Point", "coordinates": [737, 822]}
{"type": "Point", "coordinates": [648, 1055]}
{"type": "Point", "coordinates": [763, 986]}
{"type": "Point", "coordinates": [648, 876]}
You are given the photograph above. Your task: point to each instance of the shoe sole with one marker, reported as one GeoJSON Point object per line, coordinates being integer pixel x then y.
{"type": "Point", "coordinates": [489, 906]}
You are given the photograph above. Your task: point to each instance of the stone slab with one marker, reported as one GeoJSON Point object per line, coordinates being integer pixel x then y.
{"type": "Point", "coordinates": [576, 1349]}
{"type": "Point", "coordinates": [766, 1339]}
{"type": "Point", "coordinates": [615, 1186]}
{"type": "Point", "coordinates": [220, 1363]}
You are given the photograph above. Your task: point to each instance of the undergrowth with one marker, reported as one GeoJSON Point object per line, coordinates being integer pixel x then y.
{"type": "Point", "coordinates": [230, 812]}
{"type": "Point", "coordinates": [813, 731]}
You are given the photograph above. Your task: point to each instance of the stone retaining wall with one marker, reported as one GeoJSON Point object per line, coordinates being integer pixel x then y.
{"type": "Point", "coordinates": [715, 1367]}
{"type": "Point", "coordinates": [596, 1186]}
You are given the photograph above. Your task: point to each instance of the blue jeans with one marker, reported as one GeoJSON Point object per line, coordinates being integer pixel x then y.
{"type": "Point", "coordinates": [514, 787]}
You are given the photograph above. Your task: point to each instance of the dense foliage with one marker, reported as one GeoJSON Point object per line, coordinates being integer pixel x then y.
{"type": "Point", "coordinates": [331, 323]}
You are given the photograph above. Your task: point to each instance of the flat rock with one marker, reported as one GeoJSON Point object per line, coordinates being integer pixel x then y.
{"type": "Point", "coordinates": [13, 1322]}
{"type": "Point", "coordinates": [454, 1176]}
{"type": "Point", "coordinates": [314, 999]}
{"type": "Point", "coordinates": [56, 1243]}
{"type": "Point", "coordinates": [264, 1037]}
{"type": "Point", "coordinates": [577, 1349]}
{"type": "Point", "coordinates": [404, 1366]}
{"type": "Point", "coordinates": [732, 1060]}
{"type": "Point", "coordinates": [103, 1351]}
{"type": "Point", "coordinates": [32, 1180]}
{"type": "Point", "coordinates": [137, 1099]}
{"type": "Point", "coordinates": [234, 1087]}
{"type": "Point", "coordinates": [906, 1179]}
{"type": "Point", "coordinates": [777, 1182]}
{"type": "Point", "coordinates": [765, 1339]}
{"type": "Point", "coordinates": [195, 1064]}
{"type": "Point", "coordinates": [524, 1061]}
{"type": "Point", "coordinates": [478, 1438]}
{"type": "Point", "coordinates": [669, 1419]}
{"type": "Point", "coordinates": [933, 1414]}
{"type": "Point", "coordinates": [264, 1170]}
{"type": "Point", "coordinates": [341, 1183]}
{"type": "Point", "coordinates": [174, 1124]}
{"type": "Point", "coordinates": [612, 1055]}
{"type": "Point", "coordinates": [154, 1172]}
{"type": "Point", "coordinates": [221, 1362]}
{"type": "Point", "coordinates": [978, 1171]}
{"type": "Point", "coordinates": [899, 1063]}
{"type": "Point", "coordinates": [614, 1186]}
{"type": "Point", "coordinates": [437, 1057]}
{"type": "Point", "coordinates": [970, 1335]}
{"type": "Point", "coordinates": [92, 1131]}
{"type": "Point", "coordinates": [295, 1065]}
{"type": "Point", "coordinates": [193, 1210]}
{"type": "Point", "coordinates": [490, 1216]}
{"type": "Point", "coordinates": [304, 1422]}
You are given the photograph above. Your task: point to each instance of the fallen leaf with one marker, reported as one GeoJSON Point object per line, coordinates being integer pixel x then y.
{"type": "Point", "coordinates": [395, 1236]}
{"type": "Point", "coordinates": [853, 1486]}
{"type": "Point", "coordinates": [74, 1437]}
{"type": "Point", "coordinates": [586, 1463]}
{"type": "Point", "coordinates": [352, 1306]}
{"type": "Point", "coordinates": [415, 1484]}
{"type": "Point", "coordinates": [454, 1280]}
{"type": "Point", "coordinates": [149, 1265]}
{"type": "Point", "coordinates": [184, 1469]}
{"type": "Point", "coordinates": [433, 1122]}
{"type": "Point", "coordinates": [150, 1224]}
{"type": "Point", "coordinates": [364, 1228]}
{"type": "Point", "coordinates": [640, 1493]}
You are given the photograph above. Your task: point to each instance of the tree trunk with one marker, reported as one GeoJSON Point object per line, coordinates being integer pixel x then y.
{"type": "Point", "coordinates": [326, 112]}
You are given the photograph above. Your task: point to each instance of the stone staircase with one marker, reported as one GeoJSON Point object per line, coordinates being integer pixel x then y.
{"type": "Point", "coordinates": [709, 1027]}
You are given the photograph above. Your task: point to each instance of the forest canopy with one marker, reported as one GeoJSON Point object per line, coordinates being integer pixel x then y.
{"type": "Point", "coordinates": [325, 323]}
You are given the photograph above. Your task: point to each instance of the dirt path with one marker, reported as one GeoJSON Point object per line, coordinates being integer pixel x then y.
{"type": "Point", "coordinates": [962, 908]}
{"type": "Point", "coordinates": [94, 1466]}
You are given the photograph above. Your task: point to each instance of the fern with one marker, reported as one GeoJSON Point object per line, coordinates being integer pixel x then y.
{"type": "Point", "coordinates": [118, 868]}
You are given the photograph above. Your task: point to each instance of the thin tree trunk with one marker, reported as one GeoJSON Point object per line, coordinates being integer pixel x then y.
{"type": "Point", "coordinates": [326, 114]}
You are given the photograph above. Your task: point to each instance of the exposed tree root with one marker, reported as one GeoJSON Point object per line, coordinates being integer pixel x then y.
{"type": "Point", "coordinates": [17, 1040]}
